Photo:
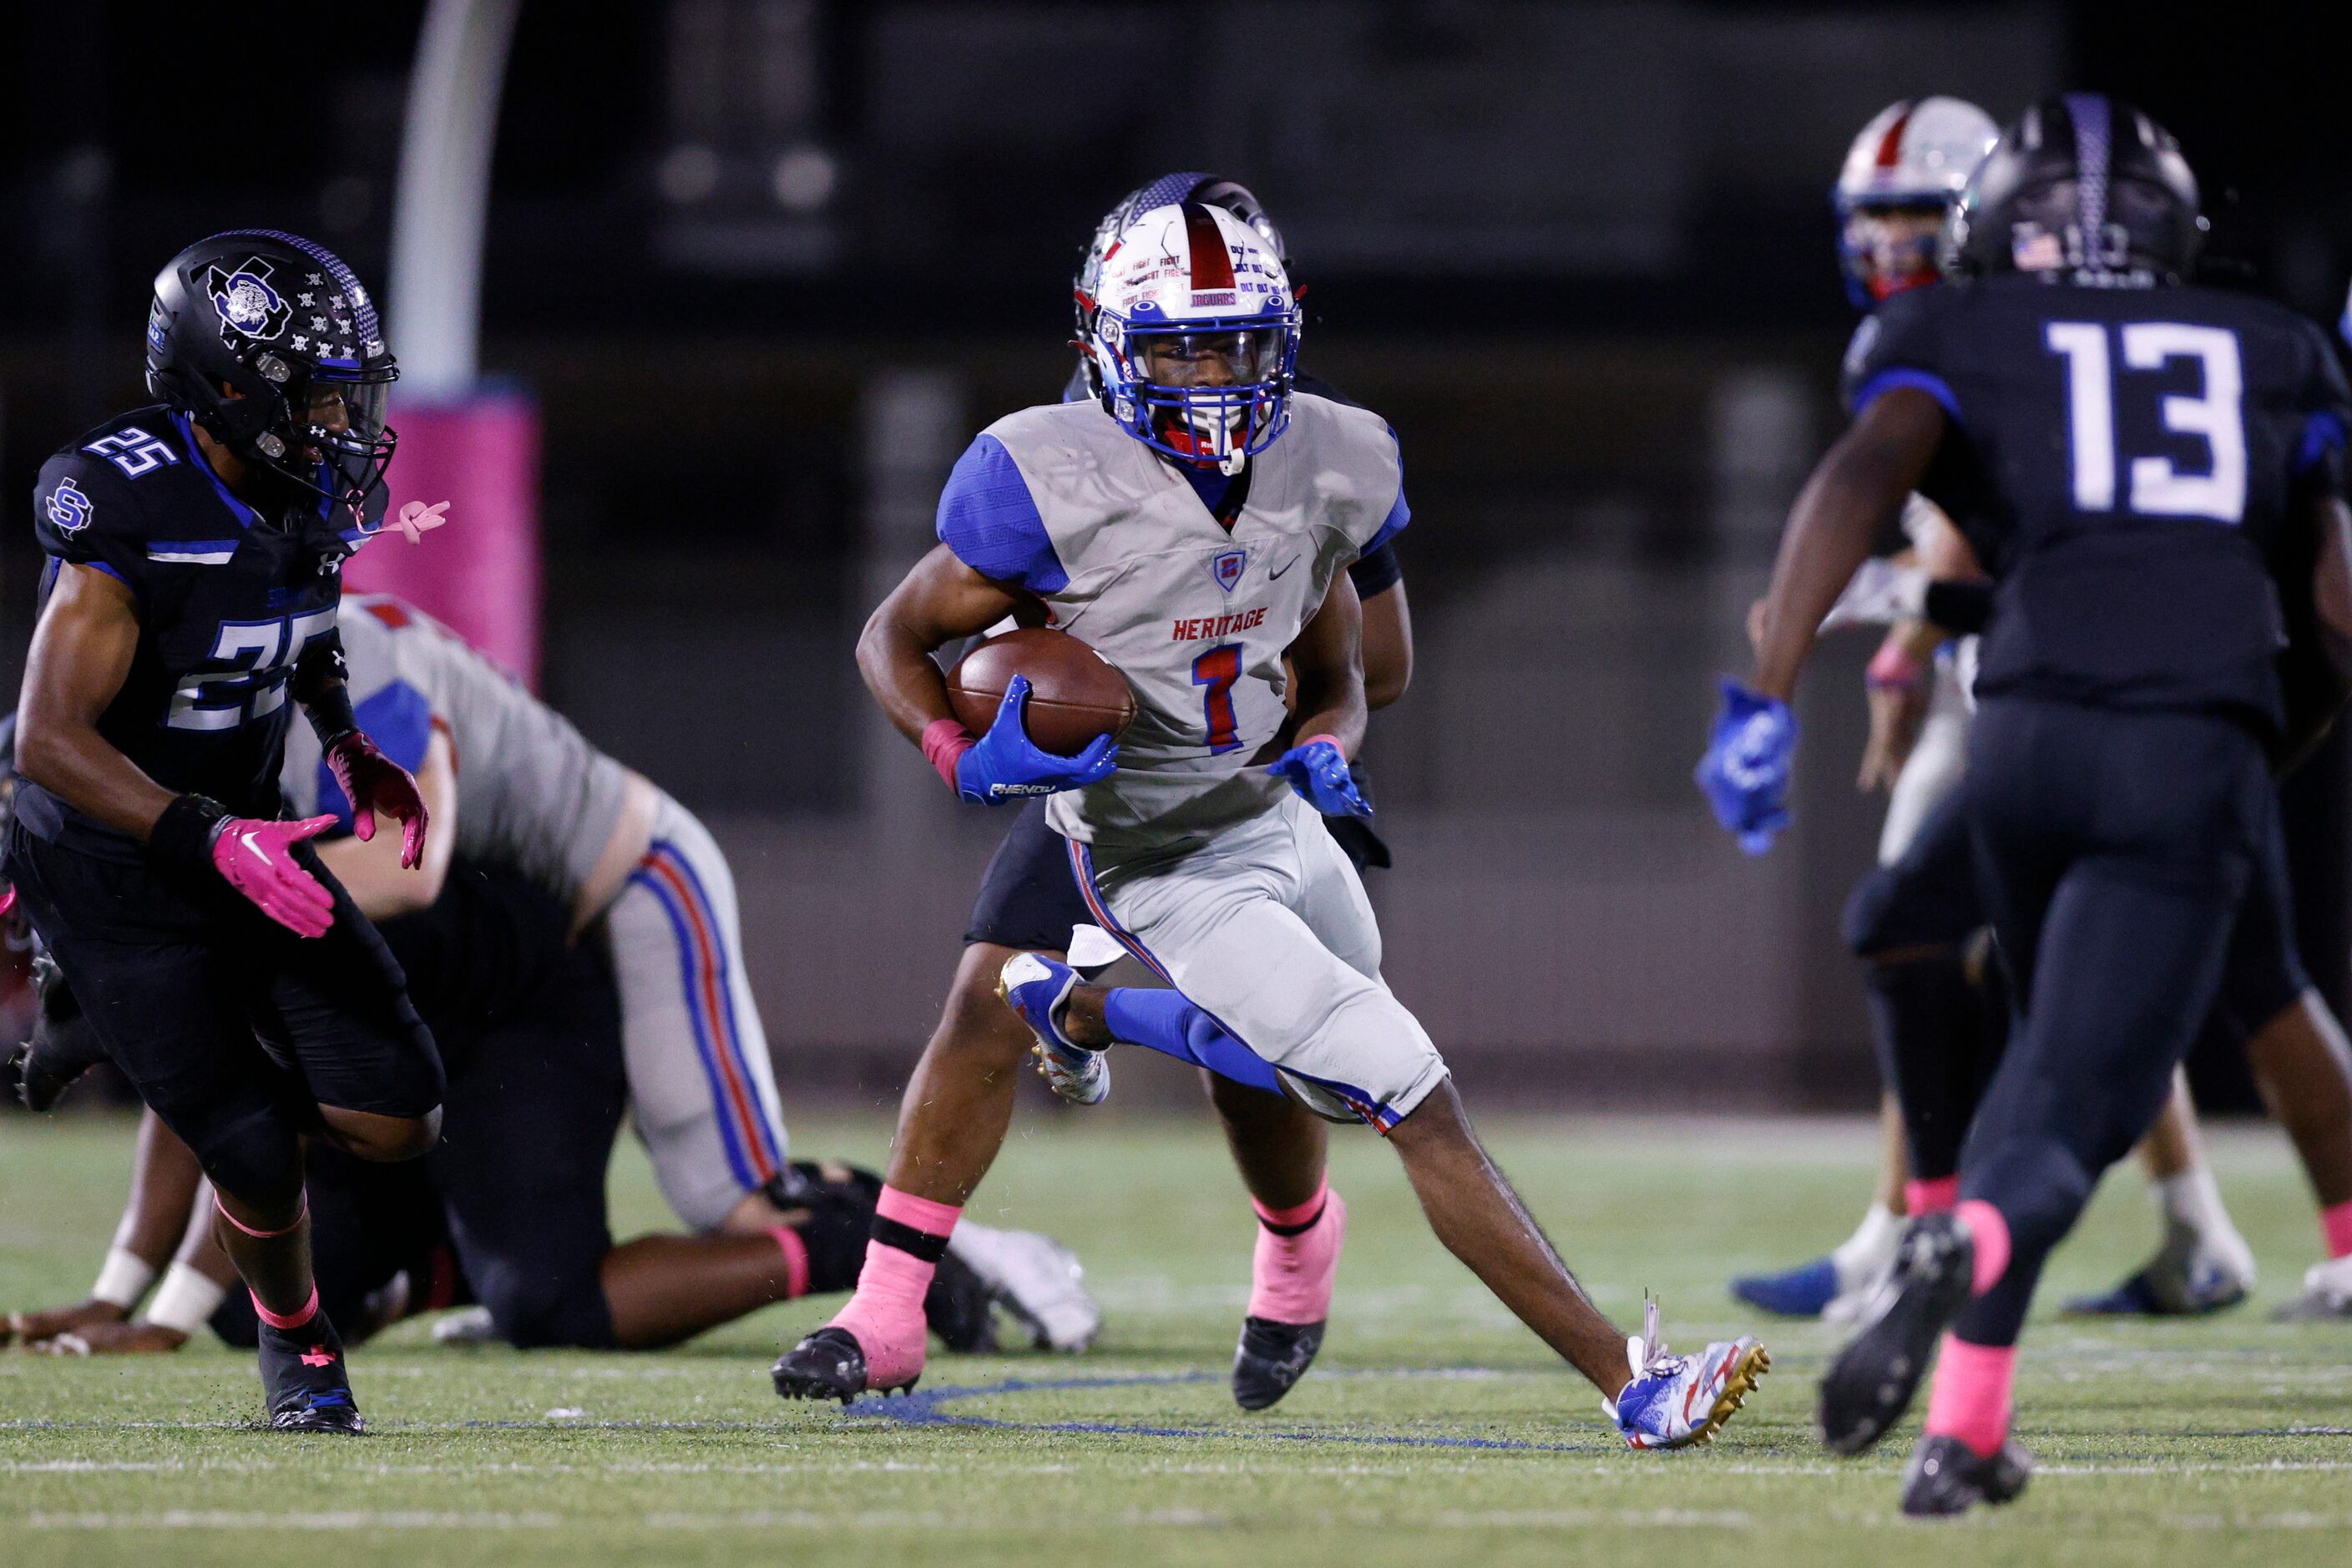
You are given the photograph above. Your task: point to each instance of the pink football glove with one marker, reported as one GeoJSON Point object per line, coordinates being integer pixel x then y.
{"type": "Point", "coordinates": [257, 860]}
{"type": "Point", "coordinates": [373, 781]}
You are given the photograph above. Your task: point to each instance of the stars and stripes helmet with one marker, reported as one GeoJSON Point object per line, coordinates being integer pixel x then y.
{"type": "Point", "coordinates": [1914, 157]}
{"type": "Point", "coordinates": [1195, 337]}
{"type": "Point", "coordinates": [268, 341]}
{"type": "Point", "coordinates": [2083, 189]}
{"type": "Point", "coordinates": [1168, 189]}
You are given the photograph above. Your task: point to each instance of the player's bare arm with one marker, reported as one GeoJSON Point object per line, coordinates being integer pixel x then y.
{"type": "Point", "coordinates": [81, 654]}
{"type": "Point", "coordinates": [1388, 646]}
{"type": "Point", "coordinates": [2332, 586]}
{"type": "Point", "coordinates": [1327, 662]}
{"type": "Point", "coordinates": [1858, 485]}
{"type": "Point", "coordinates": [938, 600]}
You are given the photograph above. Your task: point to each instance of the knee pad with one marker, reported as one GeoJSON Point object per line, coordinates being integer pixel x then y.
{"type": "Point", "coordinates": [1870, 924]}
{"type": "Point", "coordinates": [253, 1155]}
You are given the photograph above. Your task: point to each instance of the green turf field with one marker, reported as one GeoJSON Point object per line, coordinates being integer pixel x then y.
{"type": "Point", "coordinates": [1434, 1431]}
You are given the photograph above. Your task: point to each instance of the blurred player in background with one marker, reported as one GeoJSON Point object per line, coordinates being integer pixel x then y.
{"type": "Point", "coordinates": [1205, 482]}
{"type": "Point", "coordinates": [958, 1102]}
{"type": "Point", "coordinates": [195, 550]}
{"type": "Point", "coordinates": [528, 1206]}
{"type": "Point", "coordinates": [1915, 922]}
{"type": "Point", "coordinates": [2119, 797]}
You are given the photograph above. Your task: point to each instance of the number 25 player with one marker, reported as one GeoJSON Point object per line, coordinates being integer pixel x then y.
{"type": "Point", "coordinates": [1198, 841]}
{"type": "Point", "coordinates": [195, 573]}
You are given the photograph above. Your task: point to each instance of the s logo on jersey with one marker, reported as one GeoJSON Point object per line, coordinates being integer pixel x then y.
{"type": "Point", "coordinates": [245, 300]}
{"type": "Point", "coordinates": [1227, 566]}
{"type": "Point", "coordinates": [69, 508]}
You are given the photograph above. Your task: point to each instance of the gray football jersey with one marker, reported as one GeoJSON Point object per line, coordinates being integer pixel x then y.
{"type": "Point", "coordinates": [1195, 616]}
{"type": "Point", "coordinates": [534, 793]}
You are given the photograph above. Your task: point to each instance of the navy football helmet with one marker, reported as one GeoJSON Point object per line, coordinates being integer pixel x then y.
{"type": "Point", "coordinates": [271, 344]}
{"type": "Point", "coordinates": [2082, 188]}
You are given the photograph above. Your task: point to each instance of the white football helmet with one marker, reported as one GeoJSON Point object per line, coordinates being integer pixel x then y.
{"type": "Point", "coordinates": [1901, 175]}
{"type": "Point", "coordinates": [1196, 335]}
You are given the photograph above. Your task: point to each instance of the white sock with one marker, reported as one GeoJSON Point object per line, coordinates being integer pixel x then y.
{"type": "Point", "coordinates": [1870, 1249]}
{"type": "Point", "coordinates": [2192, 1199]}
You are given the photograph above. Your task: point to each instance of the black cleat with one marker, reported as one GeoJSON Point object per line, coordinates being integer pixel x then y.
{"type": "Point", "coordinates": [829, 1364]}
{"type": "Point", "coordinates": [1947, 1477]}
{"type": "Point", "coordinates": [304, 1377]}
{"type": "Point", "coordinates": [961, 1309]}
{"type": "Point", "coordinates": [63, 1047]}
{"type": "Point", "coordinates": [1871, 1383]}
{"type": "Point", "coordinates": [1271, 1358]}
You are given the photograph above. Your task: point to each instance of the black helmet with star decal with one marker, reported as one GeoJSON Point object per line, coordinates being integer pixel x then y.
{"type": "Point", "coordinates": [268, 341]}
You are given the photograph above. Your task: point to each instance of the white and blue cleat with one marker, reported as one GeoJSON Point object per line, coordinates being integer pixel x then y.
{"type": "Point", "coordinates": [1038, 988]}
{"type": "Point", "coordinates": [1674, 1401]}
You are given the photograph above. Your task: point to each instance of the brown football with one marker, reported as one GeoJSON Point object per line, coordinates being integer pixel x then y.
{"type": "Point", "coordinates": [1074, 693]}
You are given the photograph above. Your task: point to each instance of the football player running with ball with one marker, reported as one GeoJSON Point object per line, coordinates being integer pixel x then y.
{"type": "Point", "coordinates": [2155, 473]}
{"type": "Point", "coordinates": [194, 574]}
{"type": "Point", "coordinates": [1197, 843]}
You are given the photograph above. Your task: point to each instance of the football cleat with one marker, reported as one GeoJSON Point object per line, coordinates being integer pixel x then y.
{"type": "Point", "coordinates": [1799, 1292]}
{"type": "Point", "coordinates": [1036, 1279]}
{"type": "Point", "coordinates": [829, 1364]}
{"type": "Point", "coordinates": [2186, 1278]}
{"type": "Point", "coordinates": [63, 1045]}
{"type": "Point", "coordinates": [960, 1306]}
{"type": "Point", "coordinates": [1674, 1401]}
{"type": "Point", "coordinates": [1865, 1301]}
{"type": "Point", "coordinates": [1038, 988]}
{"type": "Point", "coordinates": [2326, 1294]}
{"type": "Point", "coordinates": [304, 1380]}
{"type": "Point", "coordinates": [1270, 1360]}
{"type": "Point", "coordinates": [1947, 1477]}
{"type": "Point", "coordinates": [1871, 1383]}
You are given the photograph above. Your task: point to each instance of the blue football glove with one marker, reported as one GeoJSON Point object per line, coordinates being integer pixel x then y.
{"type": "Point", "coordinates": [1006, 764]}
{"type": "Point", "coordinates": [1318, 772]}
{"type": "Point", "coordinates": [1744, 774]}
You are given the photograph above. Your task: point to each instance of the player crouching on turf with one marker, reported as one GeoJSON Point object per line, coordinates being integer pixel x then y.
{"type": "Point", "coordinates": [195, 557]}
{"type": "Point", "coordinates": [1197, 840]}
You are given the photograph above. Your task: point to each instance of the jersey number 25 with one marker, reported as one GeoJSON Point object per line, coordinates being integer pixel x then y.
{"type": "Point", "coordinates": [247, 677]}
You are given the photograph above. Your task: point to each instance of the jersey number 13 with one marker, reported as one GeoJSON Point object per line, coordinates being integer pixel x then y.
{"type": "Point", "coordinates": [2213, 415]}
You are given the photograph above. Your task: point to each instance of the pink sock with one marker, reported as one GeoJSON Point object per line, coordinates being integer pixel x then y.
{"type": "Point", "coordinates": [796, 1265]}
{"type": "Point", "coordinates": [1936, 1196]}
{"type": "Point", "coordinates": [1298, 1258]}
{"type": "Point", "coordinates": [1971, 1398]}
{"type": "Point", "coordinates": [1991, 1233]}
{"type": "Point", "coordinates": [2336, 1225]}
{"type": "Point", "coordinates": [286, 1321]}
{"type": "Point", "coordinates": [886, 1315]}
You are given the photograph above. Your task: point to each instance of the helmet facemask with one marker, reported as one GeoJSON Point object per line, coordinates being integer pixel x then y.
{"type": "Point", "coordinates": [1209, 393]}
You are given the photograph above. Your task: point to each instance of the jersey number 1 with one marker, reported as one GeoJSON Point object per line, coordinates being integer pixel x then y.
{"type": "Point", "coordinates": [1217, 670]}
{"type": "Point", "coordinates": [2213, 415]}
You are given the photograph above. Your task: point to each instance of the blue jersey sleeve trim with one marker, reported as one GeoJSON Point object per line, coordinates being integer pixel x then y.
{"type": "Point", "coordinates": [2323, 433]}
{"type": "Point", "coordinates": [988, 518]}
{"type": "Point", "coordinates": [1925, 381]}
{"type": "Point", "coordinates": [103, 566]}
{"type": "Point", "coordinates": [399, 721]}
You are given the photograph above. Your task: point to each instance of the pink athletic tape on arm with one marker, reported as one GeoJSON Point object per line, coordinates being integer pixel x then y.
{"type": "Point", "coordinates": [1971, 1397]}
{"type": "Point", "coordinates": [1989, 1231]}
{"type": "Point", "coordinates": [796, 1260]}
{"type": "Point", "coordinates": [944, 743]}
{"type": "Point", "coordinates": [1333, 739]}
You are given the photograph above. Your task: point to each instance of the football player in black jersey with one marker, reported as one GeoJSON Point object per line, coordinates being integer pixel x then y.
{"type": "Point", "coordinates": [2153, 472]}
{"type": "Point", "coordinates": [194, 552]}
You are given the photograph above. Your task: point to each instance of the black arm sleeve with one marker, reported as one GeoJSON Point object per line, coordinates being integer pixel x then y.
{"type": "Point", "coordinates": [321, 684]}
{"type": "Point", "coordinates": [1376, 572]}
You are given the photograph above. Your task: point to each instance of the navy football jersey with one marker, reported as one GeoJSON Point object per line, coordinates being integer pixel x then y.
{"type": "Point", "coordinates": [228, 603]}
{"type": "Point", "coordinates": [2125, 462]}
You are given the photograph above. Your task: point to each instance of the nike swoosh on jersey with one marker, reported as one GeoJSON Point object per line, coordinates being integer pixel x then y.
{"type": "Point", "coordinates": [1285, 566]}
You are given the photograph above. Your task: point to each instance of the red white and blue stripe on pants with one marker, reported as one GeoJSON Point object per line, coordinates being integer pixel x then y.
{"type": "Point", "coordinates": [744, 1125]}
{"type": "Point", "coordinates": [1374, 1112]}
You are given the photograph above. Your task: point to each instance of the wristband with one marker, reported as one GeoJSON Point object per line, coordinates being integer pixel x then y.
{"type": "Point", "coordinates": [1334, 744]}
{"type": "Point", "coordinates": [122, 1278]}
{"type": "Point", "coordinates": [1893, 669]}
{"type": "Point", "coordinates": [184, 835]}
{"type": "Point", "coordinates": [186, 1300]}
{"type": "Point", "coordinates": [944, 743]}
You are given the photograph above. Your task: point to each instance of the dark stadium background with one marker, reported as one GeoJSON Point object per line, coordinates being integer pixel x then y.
{"type": "Point", "coordinates": [766, 263]}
